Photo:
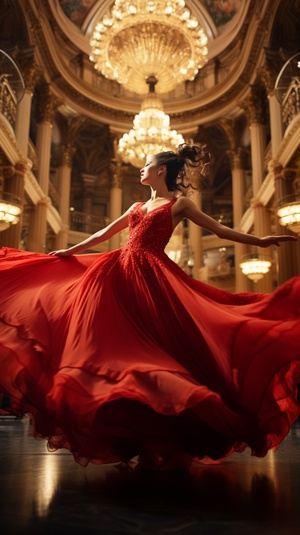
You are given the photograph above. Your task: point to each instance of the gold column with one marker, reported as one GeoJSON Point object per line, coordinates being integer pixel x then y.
{"type": "Point", "coordinates": [288, 263]}
{"type": "Point", "coordinates": [16, 183]}
{"type": "Point", "coordinates": [268, 74]}
{"type": "Point", "coordinates": [30, 73]}
{"type": "Point", "coordinates": [64, 185]}
{"type": "Point", "coordinates": [254, 107]}
{"type": "Point", "coordinates": [237, 160]}
{"type": "Point", "coordinates": [14, 177]}
{"type": "Point", "coordinates": [195, 236]}
{"type": "Point", "coordinates": [69, 131]}
{"type": "Point", "coordinates": [115, 199]}
{"type": "Point", "coordinates": [38, 226]}
{"type": "Point", "coordinates": [89, 182]}
{"type": "Point", "coordinates": [38, 220]}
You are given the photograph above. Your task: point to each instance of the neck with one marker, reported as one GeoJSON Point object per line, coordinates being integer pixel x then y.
{"type": "Point", "coordinates": [161, 194]}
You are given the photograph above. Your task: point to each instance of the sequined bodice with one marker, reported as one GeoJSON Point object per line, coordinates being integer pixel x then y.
{"type": "Point", "coordinates": [150, 231]}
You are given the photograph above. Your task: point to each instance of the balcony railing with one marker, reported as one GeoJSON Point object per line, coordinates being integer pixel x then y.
{"type": "Point", "coordinates": [82, 222]}
{"type": "Point", "coordinates": [291, 102]}
{"type": "Point", "coordinates": [11, 87]}
{"type": "Point", "coordinates": [8, 101]}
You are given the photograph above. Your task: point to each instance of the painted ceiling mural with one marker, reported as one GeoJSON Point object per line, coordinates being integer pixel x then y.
{"type": "Point", "coordinates": [221, 11]}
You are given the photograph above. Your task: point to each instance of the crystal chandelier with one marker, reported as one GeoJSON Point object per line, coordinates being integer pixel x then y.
{"type": "Point", "coordinates": [142, 38]}
{"type": "Point", "coordinates": [151, 131]}
{"type": "Point", "coordinates": [255, 266]}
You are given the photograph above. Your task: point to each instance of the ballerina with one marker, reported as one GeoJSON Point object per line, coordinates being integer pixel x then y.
{"type": "Point", "coordinates": [122, 354]}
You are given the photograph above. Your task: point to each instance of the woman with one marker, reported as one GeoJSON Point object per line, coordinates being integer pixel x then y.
{"type": "Point", "coordinates": [122, 354]}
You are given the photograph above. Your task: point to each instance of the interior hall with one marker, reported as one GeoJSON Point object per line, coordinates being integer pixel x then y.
{"type": "Point", "coordinates": [89, 88]}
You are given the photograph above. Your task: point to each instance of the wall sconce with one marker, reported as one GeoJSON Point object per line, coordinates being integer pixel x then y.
{"type": "Point", "coordinates": [255, 266]}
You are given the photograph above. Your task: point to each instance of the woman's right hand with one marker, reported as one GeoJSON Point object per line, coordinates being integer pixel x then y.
{"type": "Point", "coordinates": [61, 252]}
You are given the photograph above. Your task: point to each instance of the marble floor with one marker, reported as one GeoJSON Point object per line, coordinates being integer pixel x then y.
{"type": "Point", "coordinates": [48, 493]}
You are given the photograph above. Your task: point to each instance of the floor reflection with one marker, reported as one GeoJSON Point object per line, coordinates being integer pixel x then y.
{"type": "Point", "coordinates": [46, 492]}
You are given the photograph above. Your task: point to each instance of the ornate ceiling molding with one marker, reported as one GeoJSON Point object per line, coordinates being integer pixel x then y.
{"type": "Point", "coordinates": [186, 113]}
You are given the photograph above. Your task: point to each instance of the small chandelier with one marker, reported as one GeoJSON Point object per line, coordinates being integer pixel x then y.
{"type": "Point", "coordinates": [255, 266]}
{"type": "Point", "coordinates": [288, 212]}
{"type": "Point", "coordinates": [10, 210]}
{"type": "Point", "coordinates": [151, 131]}
{"type": "Point", "coordinates": [139, 38]}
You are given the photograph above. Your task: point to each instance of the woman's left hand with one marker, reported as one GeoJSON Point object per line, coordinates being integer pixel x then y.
{"type": "Point", "coordinates": [266, 241]}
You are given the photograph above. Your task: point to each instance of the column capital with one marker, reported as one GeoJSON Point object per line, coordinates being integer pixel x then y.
{"type": "Point", "coordinates": [47, 104]}
{"type": "Point", "coordinates": [256, 203]}
{"type": "Point", "coordinates": [254, 105]}
{"type": "Point", "coordinates": [30, 70]}
{"type": "Point", "coordinates": [22, 166]}
{"type": "Point", "coordinates": [269, 71]}
{"type": "Point", "coordinates": [8, 171]}
{"type": "Point", "coordinates": [116, 169]}
{"type": "Point", "coordinates": [238, 158]}
{"type": "Point", "coordinates": [44, 201]}
{"type": "Point", "coordinates": [282, 173]}
{"type": "Point", "coordinates": [67, 153]}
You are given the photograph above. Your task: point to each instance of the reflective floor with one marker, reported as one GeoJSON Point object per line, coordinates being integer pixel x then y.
{"type": "Point", "coordinates": [48, 493]}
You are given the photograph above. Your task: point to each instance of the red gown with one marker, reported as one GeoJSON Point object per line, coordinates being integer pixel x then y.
{"type": "Point", "coordinates": [122, 353]}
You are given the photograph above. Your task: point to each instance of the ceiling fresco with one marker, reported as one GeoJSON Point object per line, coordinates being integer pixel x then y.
{"type": "Point", "coordinates": [221, 11]}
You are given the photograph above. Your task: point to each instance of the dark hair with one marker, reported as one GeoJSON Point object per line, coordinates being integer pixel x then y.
{"type": "Point", "coordinates": [178, 163]}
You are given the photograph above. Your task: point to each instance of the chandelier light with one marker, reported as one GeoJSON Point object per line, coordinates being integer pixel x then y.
{"type": "Point", "coordinates": [151, 131]}
{"type": "Point", "coordinates": [288, 212]}
{"type": "Point", "coordinates": [142, 38]}
{"type": "Point", "coordinates": [10, 210]}
{"type": "Point", "coordinates": [255, 266]}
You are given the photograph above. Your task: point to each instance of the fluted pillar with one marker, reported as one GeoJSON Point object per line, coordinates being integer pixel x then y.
{"type": "Point", "coordinates": [30, 73]}
{"type": "Point", "coordinates": [64, 186]}
{"type": "Point", "coordinates": [47, 108]}
{"type": "Point", "coordinates": [16, 184]}
{"type": "Point", "coordinates": [288, 262]}
{"type": "Point", "coordinates": [268, 74]}
{"type": "Point", "coordinates": [237, 160]}
{"type": "Point", "coordinates": [287, 253]}
{"type": "Point", "coordinates": [276, 123]}
{"type": "Point", "coordinates": [115, 199]}
{"type": "Point", "coordinates": [38, 226]}
{"type": "Point", "coordinates": [195, 236]}
{"type": "Point", "coordinates": [23, 122]}
{"type": "Point", "coordinates": [254, 107]}
{"type": "Point", "coordinates": [14, 178]}
{"type": "Point", "coordinates": [89, 182]}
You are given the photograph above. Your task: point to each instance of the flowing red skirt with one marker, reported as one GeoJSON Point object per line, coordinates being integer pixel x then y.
{"type": "Point", "coordinates": [117, 356]}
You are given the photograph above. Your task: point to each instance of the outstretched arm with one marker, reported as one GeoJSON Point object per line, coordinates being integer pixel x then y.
{"type": "Point", "coordinates": [187, 209]}
{"type": "Point", "coordinates": [100, 236]}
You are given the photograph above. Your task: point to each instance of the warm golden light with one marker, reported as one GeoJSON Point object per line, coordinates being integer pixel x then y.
{"type": "Point", "coordinates": [10, 210]}
{"type": "Point", "coordinates": [151, 132]}
{"type": "Point", "coordinates": [288, 212]}
{"type": "Point", "coordinates": [141, 38]}
{"type": "Point", "coordinates": [255, 266]}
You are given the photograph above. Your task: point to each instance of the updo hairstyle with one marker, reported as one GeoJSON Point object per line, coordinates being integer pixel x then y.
{"type": "Point", "coordinates": [178, 163]}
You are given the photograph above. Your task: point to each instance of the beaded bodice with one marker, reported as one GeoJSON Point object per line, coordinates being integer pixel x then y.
{"type": "Point", "coordinates": [151, 231]}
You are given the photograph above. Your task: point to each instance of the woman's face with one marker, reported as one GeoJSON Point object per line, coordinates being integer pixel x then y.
{"type": "Point", "coordinates": [149, 173]}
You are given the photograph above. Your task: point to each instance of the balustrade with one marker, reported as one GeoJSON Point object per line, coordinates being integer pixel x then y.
{"type": "Point", "coordinates": [87, 223]}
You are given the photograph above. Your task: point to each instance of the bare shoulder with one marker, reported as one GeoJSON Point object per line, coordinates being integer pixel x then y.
{"type": "Point", "coordinates": [181, 209]}
{"type": "Point", "coordinates": [182, 204]}
{"type": "Point", "coordinates": [132, 207]}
